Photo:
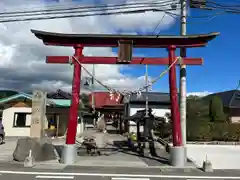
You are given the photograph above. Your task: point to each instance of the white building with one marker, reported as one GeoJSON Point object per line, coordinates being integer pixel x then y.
{"type": "Point", "coordinates": [158, 102]}
{"type": "Point", "coordinates": [17, 110]}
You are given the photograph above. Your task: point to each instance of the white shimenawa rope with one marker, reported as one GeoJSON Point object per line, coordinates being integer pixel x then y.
{"type": "Point", "coordinates": [112, 91]}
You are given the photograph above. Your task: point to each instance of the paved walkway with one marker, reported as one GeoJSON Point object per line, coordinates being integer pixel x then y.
{"type": "Point", "coordinates": [6, 150]}
{"type": "Point", "coordinates": [112, 156]}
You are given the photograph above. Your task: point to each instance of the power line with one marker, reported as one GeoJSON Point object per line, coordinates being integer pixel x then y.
{"type": "Point", "coordinates": [155, 29]}
{"type": "Point", "coordinates": [227, 11]}
{"type": "Point", "coordinates": [89, 7]}
{"type": "Point", "coordinates": [212, 5]}
{"type": "Point", "coordinates": [92, 11]}
{"type": "Point", "coordinates": [207, 16]}
{"type": "Point", "coordinates": [80, 11]}
{"type": "Point", "coordinates": [223, 5]}
{"type": "Point", "coordinates": [86, 15]}
{"type": "Point", "coordinates": [47, 5]}
{"type": "Point", "coordinates": [222, 8]}
{"type": "Point", "coordinates": [38, 7]}
{"type": "Point", "coordinates": [141, 9]}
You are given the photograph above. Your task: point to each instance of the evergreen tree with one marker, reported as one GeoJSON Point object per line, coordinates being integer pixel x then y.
{"type": "Point", "coordinates": [216, 109]}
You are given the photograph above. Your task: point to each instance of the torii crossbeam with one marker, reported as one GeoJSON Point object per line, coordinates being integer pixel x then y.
{"type": "Point", "coordinates": [79, 41]}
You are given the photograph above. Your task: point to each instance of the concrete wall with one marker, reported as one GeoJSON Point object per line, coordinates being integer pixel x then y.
{"type": "Point", "coordinates": [221, 156]}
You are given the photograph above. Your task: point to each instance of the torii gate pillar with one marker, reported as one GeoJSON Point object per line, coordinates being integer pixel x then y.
{"type": "Point", "coordinates": [69, 152]}
{"type": "Point", "coordinates": [178, 150]}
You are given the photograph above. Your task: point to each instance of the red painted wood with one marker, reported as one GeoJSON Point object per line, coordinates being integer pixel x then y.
{"type": "Point", "coordinates": [110, 40]}
{"type": "Point", "coordinates": [147, 45]}
{"type": "Point", "coordinates": [113, 60]}
{"type": "Point", "coordinates": [73, 115]}
{"type": "Point", "coordinates": [175, 114]}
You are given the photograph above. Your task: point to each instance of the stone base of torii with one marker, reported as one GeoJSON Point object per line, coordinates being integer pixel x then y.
{"type": "Point", "coordinates": [79, 41]}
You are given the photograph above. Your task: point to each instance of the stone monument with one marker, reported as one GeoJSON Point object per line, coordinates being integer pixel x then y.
{"type": "Point", "coordinates": [38, 114]}
{"type": "Point", "coordinates": [37, 147]}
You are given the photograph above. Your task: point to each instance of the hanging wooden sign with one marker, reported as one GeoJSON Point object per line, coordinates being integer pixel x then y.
{"type": "Point", "coordinates": [124, 51]}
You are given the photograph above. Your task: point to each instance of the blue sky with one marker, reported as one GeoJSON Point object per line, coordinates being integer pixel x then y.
{"type": "Point", "coordinates": [221, 59]}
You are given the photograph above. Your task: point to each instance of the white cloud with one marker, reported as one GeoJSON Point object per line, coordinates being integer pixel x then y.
{"type": "Point", "coordinates": [22, 55]}
{"type": "Point", "coordinates": [200, 94]}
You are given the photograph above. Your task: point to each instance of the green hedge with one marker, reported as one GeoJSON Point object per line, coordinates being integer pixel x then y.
{"type": "Point", "coordinates": [209, 131]}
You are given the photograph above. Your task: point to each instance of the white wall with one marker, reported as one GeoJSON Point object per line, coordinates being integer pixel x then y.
{"type": "Point", "coordinates": [157, 112]}
{"type": "Point", "coordinates": [80, 127]}
{"type": "Point", "coordinates": [235, 119]}
{"type": "Point", "coordinates": [8, 119]}
{"type": "Point", "coordinates": [221, 156]}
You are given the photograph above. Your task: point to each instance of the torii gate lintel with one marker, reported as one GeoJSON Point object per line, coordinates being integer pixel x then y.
{"type": "Point", "coordinates": [114, 60]}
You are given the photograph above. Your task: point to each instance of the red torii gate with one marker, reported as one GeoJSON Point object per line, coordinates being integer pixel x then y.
{"type": "Point", "coordinates": [79, 41]}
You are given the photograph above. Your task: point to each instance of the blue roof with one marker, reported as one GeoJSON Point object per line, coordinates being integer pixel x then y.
{"type": "Point", "coordinates": [61, 102]}
{"type": "Point", "coordinates": [58, 102]}
{"type": "Point", "coordinates": [16, 96]}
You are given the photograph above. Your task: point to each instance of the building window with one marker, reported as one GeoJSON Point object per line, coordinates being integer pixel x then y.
{"type": "Point", "coordinates": [22, 120]}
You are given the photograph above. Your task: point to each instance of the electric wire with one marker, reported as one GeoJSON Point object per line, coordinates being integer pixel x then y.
{"type": "Point", "coordinates": [155, 29]}
{"type": "Point", "coordinates": [216, 6]}
{"type": "Point", "coordinates": [79, 11]}
{"type": "Point", "coordinates": [86, 15]}
{"type": "Point", "coordinates": [223, 5]}
{"type": "Point", "coordinates": [95, 9]}
{"type": "Point", "coordinates": [143, 7]}
{"type": "Point", "coordinates": [86, 7]}
{"type": "Point", "coordinates": [229, 10]}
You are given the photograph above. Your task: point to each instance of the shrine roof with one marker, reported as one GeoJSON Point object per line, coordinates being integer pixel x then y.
{"type": "Point", "coordinates": [102, 99]}
{"type": "Point", "coordinates": [110, 40]}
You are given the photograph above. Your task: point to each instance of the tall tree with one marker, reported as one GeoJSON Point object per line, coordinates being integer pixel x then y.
{"type": "Point", "coordinates": [216, 109]}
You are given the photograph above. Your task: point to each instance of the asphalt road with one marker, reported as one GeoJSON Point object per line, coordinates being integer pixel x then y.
{"type": "Point", "coordinates": [99, 177]}
{"type": "Point", "coordinates": [108, 173]}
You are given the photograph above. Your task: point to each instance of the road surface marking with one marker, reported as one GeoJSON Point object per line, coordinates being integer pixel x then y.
{"type": "Point", "coordinates": [121, 175]}
{"type": "Point", "coordinates": [124, 178]}
{"type": "Point", "coordinates": [54, 177]}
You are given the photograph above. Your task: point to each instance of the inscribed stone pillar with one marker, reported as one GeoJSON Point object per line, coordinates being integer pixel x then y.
{"type": "Point", "coordinates": [38, 114]}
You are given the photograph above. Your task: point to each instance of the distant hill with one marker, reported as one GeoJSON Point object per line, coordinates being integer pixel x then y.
{"type": "Point", "coordinates": [7, 93]}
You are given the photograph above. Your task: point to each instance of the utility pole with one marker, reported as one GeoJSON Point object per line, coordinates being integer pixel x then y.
{"type": "Point", "coordinates": [183, 89]}
{"type": "Point", "coordinates": [146, 105]}
{"type": "Point", "coordinates": [146, 79]}
{"type": "Point", "coordinates": [92, 89]}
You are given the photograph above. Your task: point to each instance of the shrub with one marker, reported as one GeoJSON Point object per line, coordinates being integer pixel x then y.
{"type": "Point", "coordinates": [198, 131]}
{"type": "Point", "coordinates": [210, 131]}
